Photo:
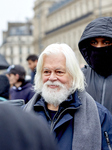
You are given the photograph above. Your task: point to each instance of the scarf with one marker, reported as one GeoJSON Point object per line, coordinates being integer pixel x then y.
{"type": "Point", "coordinates": [87, 128]}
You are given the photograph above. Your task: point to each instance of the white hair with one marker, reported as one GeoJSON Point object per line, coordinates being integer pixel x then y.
{"type": "Point", "coordinates": [71, 65]}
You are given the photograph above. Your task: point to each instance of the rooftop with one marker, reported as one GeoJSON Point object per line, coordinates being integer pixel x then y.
{"type": "Point", "coordinates": [58, 5]}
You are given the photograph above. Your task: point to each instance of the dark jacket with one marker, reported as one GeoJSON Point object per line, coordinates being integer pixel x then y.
{"type": "Point", "coordinates": [98, 86]}
{"type": "Point", "coordinates": [25, 92]}
{"type": "Point", "coordinates": [22, 131]}
{"type": "Point", "coordinates": [33, 76]}
{"type": "Point", "coordinates": [4, 87]}
{"type": "Point", "coordinates": [63, 121]}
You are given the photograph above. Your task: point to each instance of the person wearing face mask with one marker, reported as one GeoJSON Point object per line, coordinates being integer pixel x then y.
{"type": "Point", "coordinates": [95, 46]}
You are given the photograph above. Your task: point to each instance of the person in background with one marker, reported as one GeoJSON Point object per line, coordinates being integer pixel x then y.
{"type": "Point", "coordinates": [32, 63]}
{"type": "Point", "coordinates": [95, 46]}
{"type": "Point", "coordinates": [4, 88]}
{"type": "Point", "coordinates": [23, 131]}
{"type": "Point", "coordinates": [72, 114]}
{"type": "Point", "coordinates": [21, 89]}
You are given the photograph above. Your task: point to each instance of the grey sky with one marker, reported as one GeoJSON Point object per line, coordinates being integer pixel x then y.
{"type": "Point", "coordinates": [14, 11]}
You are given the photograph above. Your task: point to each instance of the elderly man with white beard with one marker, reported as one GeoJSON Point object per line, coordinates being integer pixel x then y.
{"type": "Point", "coordinates": [78, 122]}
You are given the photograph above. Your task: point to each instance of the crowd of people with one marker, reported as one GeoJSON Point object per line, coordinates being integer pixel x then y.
{"type": "Point", "coordinates": [15, 85]}
{"type": "Point", "coordinates": [66, 107]}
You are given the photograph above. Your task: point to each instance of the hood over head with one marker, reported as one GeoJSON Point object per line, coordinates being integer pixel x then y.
{"type": "Point", "coordinates": [95, 57]}
{"type": "Point", "coordinates": [100, 27]}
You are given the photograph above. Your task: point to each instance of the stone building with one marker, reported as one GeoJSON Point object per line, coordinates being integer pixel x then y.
{"type": "Point", "coordinates": [63, 21]}
{"type": "Point", "coordinates": [17, 43]}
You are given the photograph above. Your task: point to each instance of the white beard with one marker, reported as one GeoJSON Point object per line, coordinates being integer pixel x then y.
{"type": "Point", "coordinates": [55, 96]}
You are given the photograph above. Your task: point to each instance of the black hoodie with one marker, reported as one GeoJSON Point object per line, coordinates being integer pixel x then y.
{"type": "Point", "coordinates": [98, 77]}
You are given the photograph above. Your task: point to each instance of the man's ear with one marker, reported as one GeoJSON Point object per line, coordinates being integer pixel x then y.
{"type": "Point", "coordinates": [17, 76]}
{"type": "Point", "coordinates": [36, 62]}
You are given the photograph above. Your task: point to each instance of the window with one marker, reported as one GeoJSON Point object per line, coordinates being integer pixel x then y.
{"type": "Point", "coordinates": [20, 50]}
{"type": "Point", "coordinates": [20, 59]}
{"type": "Point", "coordinates": [28, 50]}
{"type": "Point", "coordinates": [11, 50]}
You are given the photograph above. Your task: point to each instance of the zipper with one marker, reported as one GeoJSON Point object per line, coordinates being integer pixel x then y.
{"type": "Point", "coordinates": [53, 123]}
{"type": "Point", "coordinates": [103, 92]}
{"type": "Point", "coordinates": [107, 140]}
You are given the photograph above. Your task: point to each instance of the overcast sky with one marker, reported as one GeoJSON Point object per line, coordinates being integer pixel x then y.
{"type": "Point", "coordinates": [14, 11]}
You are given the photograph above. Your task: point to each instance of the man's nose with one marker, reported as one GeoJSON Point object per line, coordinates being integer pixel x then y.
{"type": "Point", "coordinates": [99, 44]}
{"type": "Point", "coordinates": [52, 77]}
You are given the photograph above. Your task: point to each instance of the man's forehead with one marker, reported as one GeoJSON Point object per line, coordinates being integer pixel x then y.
{"type": "Point", "coordinates": [56, 60]}
{"type": "Point", "coordinates": [57, 68]}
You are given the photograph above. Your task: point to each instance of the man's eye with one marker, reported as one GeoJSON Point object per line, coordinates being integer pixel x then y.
{"type": "Point", "coordinates": [46, 72]}
{"type": "Point", "coordinates": [107, 43]}
{"type": "Point", "coordinates": [93, 42]}
{"type": "Point", "coordinates": [59, 72]}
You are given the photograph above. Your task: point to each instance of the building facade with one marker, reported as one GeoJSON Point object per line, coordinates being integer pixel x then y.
{"type": "Point", "coordinates": [17, 43]}
{"type": "Point", "coordinates": [64, 21]}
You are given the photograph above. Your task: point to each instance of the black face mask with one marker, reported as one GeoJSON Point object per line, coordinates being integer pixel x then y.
{"type": "Point", "coordinates": [99, 59]}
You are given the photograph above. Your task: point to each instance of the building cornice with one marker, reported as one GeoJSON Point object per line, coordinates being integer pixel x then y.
{"type": "Point", "coordinates": [69, 23]}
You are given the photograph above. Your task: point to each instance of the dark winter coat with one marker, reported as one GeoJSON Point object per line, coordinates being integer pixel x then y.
{"type": "Point", "coordinates": [33, 76]}
{"type": "Point", "coordinates": [4, 87]}
{"type": "Point", "coordinates": [22, 131]}
{"type": "Point", "coordinates": [64, 128]}
{"type": "Point", "coordinates": [25, 92]}
{"type": "Point", "coordinates": [98, 86]}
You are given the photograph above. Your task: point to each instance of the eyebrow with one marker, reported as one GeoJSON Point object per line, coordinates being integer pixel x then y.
{"type": "Point", "coordinates": [55, 69]}
{"type": "Point", "coordinates": [45, 68]}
